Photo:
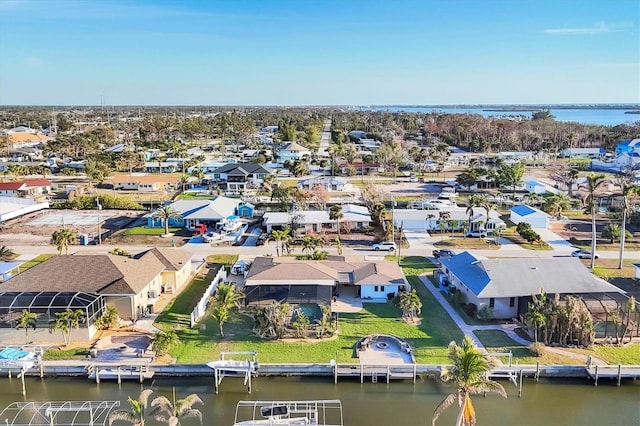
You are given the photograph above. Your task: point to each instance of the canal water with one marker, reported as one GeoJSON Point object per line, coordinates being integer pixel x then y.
{"type": "Point", "coordinates": [557, 402]}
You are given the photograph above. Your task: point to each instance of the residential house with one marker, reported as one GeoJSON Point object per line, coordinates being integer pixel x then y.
{"type": "Point", "coordinates": [314, 221]}
{"type": "Point", "coordinates": [161, 167]}
{"type": "Point", "coordinates": [195, 212]}
{"type": "Point", "coordinates": [331, 184]}
{"type": "Point", "coordinates": [25, 188]}
{"type": "Point", "coordinates": [22, 137]}
{"type": "Point", "coordinates": [311, 284]}
{"type": "Point", "coordinates": [361, 168]}
{"type": "Point", "coordinates": [624, 161]}
{"type": "Point", "coordinates": [512, 157]}
{"type": "Point", "coordinates": [213, 165]}
{"type": "Point", "coordinates": [144, 183]}
{"type": "Point", "coordinates": [293, 152]}
{"type": "Point", "coordinates": [582, 153]}
{"type": "Point", "coordinates": [238, 177]}
{"type": "Point", "coordinates": [90, 282]}
{"type": "Point", "coordinates": [534, 217]}
{"type": "Point", "coordinates": [447, 217]}
{"type": "Point", "coordinates": [506, 285]}
{"type": "Point", "coordinates": [537, 187]}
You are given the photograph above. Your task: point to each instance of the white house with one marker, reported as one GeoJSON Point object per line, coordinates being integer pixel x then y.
{"type": "Point", "coordinates": [301, 221]}
{"type": "Point", "coordinates": [534, 217]}
{"type": "Point", "coordinates": [452, 218]}
{"type": "Point", "coordinates": [25, 188]}
{"type": "Point", "coordinates": [537, 187]}
{"type": "Point", "coordinates": [327, 182]}
{"type": "Point", "coordinates": [293, 152]}
{"type": "Point", "coordinates": [582, 153]}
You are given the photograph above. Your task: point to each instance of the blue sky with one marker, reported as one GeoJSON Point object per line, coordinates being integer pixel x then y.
{"type": "Point", "coordinates": [346, 52]}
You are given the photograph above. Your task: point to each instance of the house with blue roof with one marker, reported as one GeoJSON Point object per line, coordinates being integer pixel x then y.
{"type": "Point", "coordinates": [627, 147]}
{"type": "Point", "coordinates": [506, 285]}
{"type": "Point", "coordinates": [534, 217]}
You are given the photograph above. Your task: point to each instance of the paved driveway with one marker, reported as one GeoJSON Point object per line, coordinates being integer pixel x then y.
{"type": "Point", "coordinates": [556, 242]}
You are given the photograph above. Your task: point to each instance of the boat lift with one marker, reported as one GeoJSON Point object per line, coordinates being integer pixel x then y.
{"type": "Point", "coordinates": [50, 413]}
{"type": "Point", "coordinates": [229, 366]}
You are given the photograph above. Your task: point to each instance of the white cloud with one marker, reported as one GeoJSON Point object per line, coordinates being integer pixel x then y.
{"type": "Point", "coordinates": [599, 28]}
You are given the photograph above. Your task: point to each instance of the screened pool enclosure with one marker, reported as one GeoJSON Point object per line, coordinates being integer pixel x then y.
{"type": "Point", "coordinates": [46, 304]}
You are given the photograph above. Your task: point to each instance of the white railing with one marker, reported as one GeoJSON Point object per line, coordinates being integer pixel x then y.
{"type": "Point", "coordinates": [201, 306]}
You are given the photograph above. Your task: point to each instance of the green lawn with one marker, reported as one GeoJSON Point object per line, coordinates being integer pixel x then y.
{"type": "Point", "coordinates": [143, 230]}
{"type": "Point", "coordinates": [190, 196]}
{"type": "Point", "coordinates": [223, 259]}
{"type": "Point", "coordinates": [498, 341]}
{"type": "Point", "coordinates": [203, 343]}
{"type": "Point", "coordinates": [36, 260]}
{"type": "Point", "coordinates": [74, 353]}
{"type": "Point", "coordinates": [626, 355]}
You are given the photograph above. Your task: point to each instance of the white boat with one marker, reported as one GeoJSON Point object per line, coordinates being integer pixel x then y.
{"type": "Point", "coordinates": [447, 192]}
{"type": "Point", "coordinates": [11, 358]}
{"type": "Point", "coordinates": [290, 413]}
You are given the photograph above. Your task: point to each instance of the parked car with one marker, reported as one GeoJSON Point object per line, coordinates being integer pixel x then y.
{"type": "Point", "coordinates": [477, 234]}
{"type": "Point", "coordinates": [443, 253]}
{"type": "Point", "coordinates": [583, 254]}
{"type": "Point", "coordinates": [262, 239]}
{"type": "Point", "coordinates": [413, 177]}
{"type": "Point", "coordinates": [385, 245]}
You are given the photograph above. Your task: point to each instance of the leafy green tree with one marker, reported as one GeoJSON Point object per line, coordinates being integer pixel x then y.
{"type": "Point", "coordinates": [63, 238]}
{"type": "Point", "coordinates": [163, 341]}
{"type": "Point", "coordinates": [226, 298]}
{"type": "Point", "coordinates": [165, 411]}
{"type": "Point", "coordinates": [469, 374]}
{"type": "Point", "coordinates": [6, 254]}
{"type": "Point", "coordinates": [338, 246]}
{"type": "Point", "coordinates": [27, 320]}
{"type": "Point", "coordinates": [511, 175]}
{"type": "Point", "coordinates": [324, 325]}
{"type": "Point", "coordinates": [543, 114]}
{"type": "Point", "coordinates": [67, 320]}
{"type": "Point", "coordinates": [594, 181]}
{"type": "Point", "coordinates": [613, 233]}
{"type": "Point", "coordinates": [137, 412]}
{"type": "Point", "coordinates": [165, 213]}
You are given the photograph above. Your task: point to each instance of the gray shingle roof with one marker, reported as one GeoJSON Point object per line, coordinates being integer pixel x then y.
{"type": "Point", "coordinates": [524, 277]}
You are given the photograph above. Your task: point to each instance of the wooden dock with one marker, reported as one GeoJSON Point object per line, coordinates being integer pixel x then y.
{"type": "Point", "coordinates": [617, 372]}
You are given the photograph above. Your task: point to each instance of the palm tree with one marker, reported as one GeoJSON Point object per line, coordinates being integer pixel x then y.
{"type": "Point", "coordinates": [469, 373]}
{"type": "Point", "coordinates": [594, 181]}
{"type": "Point", "coordinates": [339, 246]}
{"type": "Point", "coordinates": [226, 298]}
{"type": "Point", "coordinates": [477, 200]}
{"type": "Point", "coordinates": [280, 236]}
{"type": "Point", "coordinates": [163, 341]}
{"type": "Point", "coordinates": [556, 204]}
{"type": "Point", "coordinates": [6, 254]}
{"type": "Point", "coordinates": [410, 304]}
{"type": "Point", "coordinates": [626, 182]}
{"type": "Point", "coordinates": [136, 414]}
{"type": "Point", "coordinates": [171, 413]}
{"type": "Point", "coordinates": [63, 238]}
{"type": "Point", "coordinates": [27, 320]}
{"type": "Point", "coordinates": [335, 213]}
{"type": "Point", "coordinates": [308, 244]}
{"type": "Point", "coordinates": [65, 321]}
{"type": "Point", "coordinates": [165, 213]}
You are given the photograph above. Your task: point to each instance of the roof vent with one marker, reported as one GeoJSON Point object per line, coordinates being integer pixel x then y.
{"type": "Point", "coordinates": [534, 267]}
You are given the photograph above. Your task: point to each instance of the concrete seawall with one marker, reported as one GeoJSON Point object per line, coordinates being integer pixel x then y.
{"type": "Point", "coordinates": [300, 369]}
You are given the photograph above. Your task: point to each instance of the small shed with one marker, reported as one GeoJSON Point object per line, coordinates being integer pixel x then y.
{"type": "Point", "coordinates": [246, 210]}
{"type": "Point", "coordinates": [535, 187]}
{"type": "Point", "coordinates": [534, 217]}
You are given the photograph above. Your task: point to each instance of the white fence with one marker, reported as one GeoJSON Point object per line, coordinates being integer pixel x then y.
{"type": "Point", "coordinates": [201, 306]}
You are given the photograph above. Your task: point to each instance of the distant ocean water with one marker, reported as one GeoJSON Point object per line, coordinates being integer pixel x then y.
{"type": "Point", "coordinates": [605, 117]}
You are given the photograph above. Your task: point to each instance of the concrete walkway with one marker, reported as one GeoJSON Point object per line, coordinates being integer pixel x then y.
{"type": "Point", "coordinates": [508, 329]}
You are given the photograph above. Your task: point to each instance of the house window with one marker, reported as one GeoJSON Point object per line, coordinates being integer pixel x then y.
{"type": "Point", "coordinates": [492, 302]}
{"type": "Point", "coordinates": [375, 288]}
{"type": "Point", "coordinates": [381, 288]}
{"type": "Point", "coordinates": [512, 302]}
